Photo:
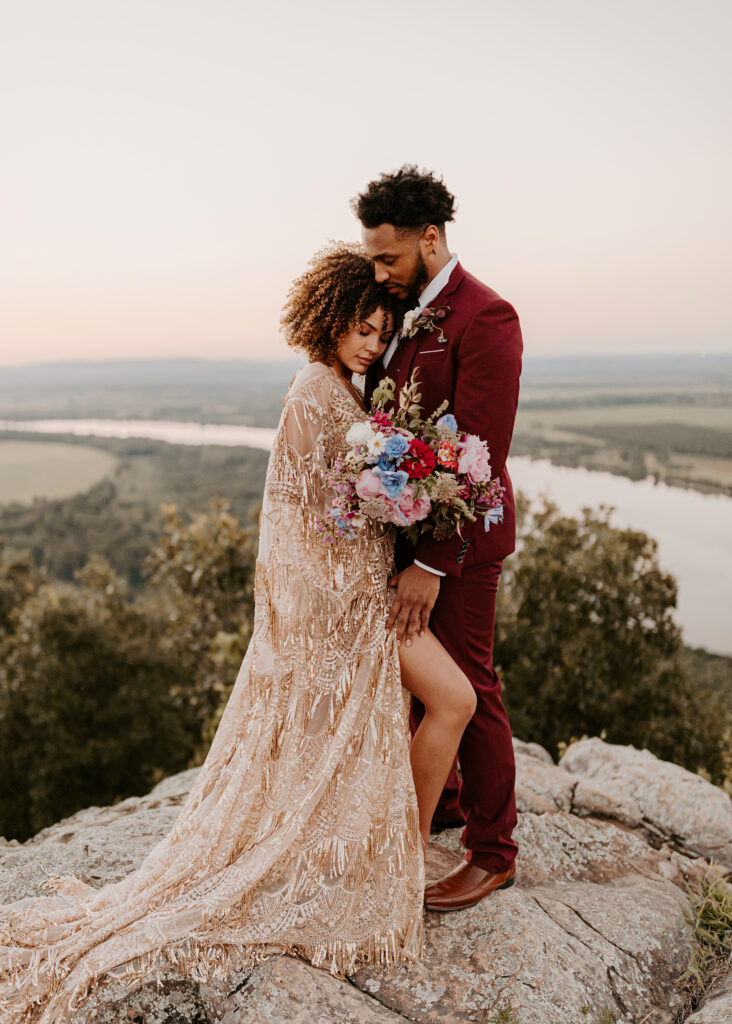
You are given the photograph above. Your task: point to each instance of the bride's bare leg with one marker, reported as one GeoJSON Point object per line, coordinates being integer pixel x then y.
{"type": "Point", "coordinates": [431, 675]}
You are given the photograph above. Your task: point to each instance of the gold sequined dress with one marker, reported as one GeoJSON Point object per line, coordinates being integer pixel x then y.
{"type": "Point", "coordinates": [300, 834]}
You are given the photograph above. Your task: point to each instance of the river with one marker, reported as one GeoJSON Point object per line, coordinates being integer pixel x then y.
{"type": "Point", "coordinates": [693, 530]}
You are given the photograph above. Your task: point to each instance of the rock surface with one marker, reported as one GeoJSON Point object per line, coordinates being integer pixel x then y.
{"type": "Point", "coordinates": [717, 1007]}
{"type": "Point", "coordinates": [634, 787]}
{"type": "Point", "coordinates": [597, 923]}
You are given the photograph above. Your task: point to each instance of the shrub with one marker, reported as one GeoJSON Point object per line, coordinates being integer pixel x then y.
{"type": "Point", "coordinates": [587, 644]}
{"type": "Point", "coordinates": [86, 713]}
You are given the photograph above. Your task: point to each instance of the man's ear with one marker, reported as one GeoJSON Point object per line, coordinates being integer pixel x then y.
{"type": "Point", "coordinates": [431, 239]}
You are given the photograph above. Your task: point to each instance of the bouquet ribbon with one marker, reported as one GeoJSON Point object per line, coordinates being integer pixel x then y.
{"type": "Point", "coordinates": [494, 516]}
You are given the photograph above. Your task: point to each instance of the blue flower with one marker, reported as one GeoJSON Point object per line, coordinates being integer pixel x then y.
{"type": "Point", "coordinates": [392, 481]}
{"type": "Point", "coordinates": [396, 446]}
{"type": "Point", "coordinates": [449, 421]}
{"type": "Point", "coordinates": [385, 462]}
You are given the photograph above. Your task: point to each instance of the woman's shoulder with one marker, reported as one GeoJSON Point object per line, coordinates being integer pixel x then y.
{"type": "Point", "coordinates": [314, 381]}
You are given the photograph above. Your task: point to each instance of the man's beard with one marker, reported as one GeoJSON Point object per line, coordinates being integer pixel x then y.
{"type": "Point", "coordinates": [418, 280]}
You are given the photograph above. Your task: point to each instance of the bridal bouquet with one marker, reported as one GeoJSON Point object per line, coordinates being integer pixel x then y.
{"type": "Point", "coordinates": [420, 474]}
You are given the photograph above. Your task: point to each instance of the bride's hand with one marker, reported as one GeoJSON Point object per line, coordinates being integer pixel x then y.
{"type": "Point", "coordinates": [417, 591]}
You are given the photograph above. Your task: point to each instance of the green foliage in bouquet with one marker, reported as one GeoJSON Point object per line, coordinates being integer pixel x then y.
{"type": "Point", "coordinates": [406, 413]}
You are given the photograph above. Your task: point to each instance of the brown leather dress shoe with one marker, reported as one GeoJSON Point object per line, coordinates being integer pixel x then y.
{"type": "Point", "coordinates": [465, 886]}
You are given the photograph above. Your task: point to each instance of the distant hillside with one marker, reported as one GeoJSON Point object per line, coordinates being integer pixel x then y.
{"type": "Point", "coordinates": [145, 374]}
{"type": "Point", "coordinates": [149, 375]}
{"type": "Point", "coordinates": [215, 391]}
{"type": "Point", "coordinates": [688, 370]}
{"type": "Point", "coordinates": [245, 391]}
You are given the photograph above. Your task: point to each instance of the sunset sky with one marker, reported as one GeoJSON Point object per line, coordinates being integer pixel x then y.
{"type": "Point", "coordinates": [168, 166]}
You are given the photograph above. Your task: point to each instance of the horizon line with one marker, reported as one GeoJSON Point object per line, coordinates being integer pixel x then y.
{"type": "Point", "coordinates": [580, 354]}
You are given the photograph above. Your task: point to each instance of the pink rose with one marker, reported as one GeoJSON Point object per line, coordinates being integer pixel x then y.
{"type": "Point", "coordinates": [473, 461]}
{"type": "Point", "coordinates": [368, 485]}
{"type": "Point", "coordinates": [413, 511]}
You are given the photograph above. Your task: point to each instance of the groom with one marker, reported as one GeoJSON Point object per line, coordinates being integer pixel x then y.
{"type": "Point", "coordinates": [474, 363]}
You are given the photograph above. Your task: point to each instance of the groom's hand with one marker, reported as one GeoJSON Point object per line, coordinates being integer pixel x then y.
{"type": "Point", "coordinates": [417, 591]}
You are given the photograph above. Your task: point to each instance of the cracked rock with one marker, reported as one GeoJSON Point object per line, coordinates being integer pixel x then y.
{"type": "Point", "coordinates": [668, 802]}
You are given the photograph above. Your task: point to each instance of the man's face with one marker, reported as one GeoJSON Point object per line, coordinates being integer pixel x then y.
{"type": "Point", "coordinates": [398, 263]}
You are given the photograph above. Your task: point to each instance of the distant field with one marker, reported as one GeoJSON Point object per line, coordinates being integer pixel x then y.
{"type": "Point", "coordinates": [118, 516]}
{"type": "Point", "coordinates": [49, 469]}
{"type": "Point", "coordinates": [684, 443]}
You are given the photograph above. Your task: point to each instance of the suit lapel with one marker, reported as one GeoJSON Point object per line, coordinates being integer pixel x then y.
{"type": "Point", "coordinates": [412, 347]}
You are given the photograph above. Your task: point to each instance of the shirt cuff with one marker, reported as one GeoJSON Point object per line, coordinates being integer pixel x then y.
{"type": "Point", "coordinates": [437, 572]}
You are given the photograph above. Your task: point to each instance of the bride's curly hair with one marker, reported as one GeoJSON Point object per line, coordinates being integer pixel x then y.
{"type": "Point", "coordinates": [335, 293]}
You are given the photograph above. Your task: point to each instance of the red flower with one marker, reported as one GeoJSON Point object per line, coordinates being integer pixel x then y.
{"type": "Point", "coordinates": [420, 461]}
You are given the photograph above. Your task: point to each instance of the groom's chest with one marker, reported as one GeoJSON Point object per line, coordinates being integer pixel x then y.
{"type": "Point", "coordinates": [431, 360]}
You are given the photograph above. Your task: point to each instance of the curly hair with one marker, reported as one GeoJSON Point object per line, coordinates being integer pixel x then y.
{"type": "Point", "coordinates": [337, 292]}
{"type": "Point", "coordinates": [408, 198]}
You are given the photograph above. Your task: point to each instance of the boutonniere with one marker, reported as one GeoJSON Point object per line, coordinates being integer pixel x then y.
{"type": "Point", "coordinates": [427, 319]}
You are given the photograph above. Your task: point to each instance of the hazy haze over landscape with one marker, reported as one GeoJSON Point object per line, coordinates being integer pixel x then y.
{"type": "Point", "coordinates": [169, 168]}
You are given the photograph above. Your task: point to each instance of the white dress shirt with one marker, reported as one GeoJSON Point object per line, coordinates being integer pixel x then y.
{"type": "Point", "coordinates": [430, 292]}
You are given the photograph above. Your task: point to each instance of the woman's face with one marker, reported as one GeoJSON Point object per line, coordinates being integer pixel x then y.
{"type": "Point", "coordinates": [365, 342]}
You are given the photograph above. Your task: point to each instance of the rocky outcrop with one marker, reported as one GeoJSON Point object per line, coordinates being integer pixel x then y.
{"type": "Point", "coordinates": [635, 788]}
{"type": "Point", "coordinates": [717, 1007]}
{"type": "Point", "coordinates": [597, 922]}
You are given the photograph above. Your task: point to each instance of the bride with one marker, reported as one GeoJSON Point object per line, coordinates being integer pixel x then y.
{"type": "Point", "coordinates": [304, 831]}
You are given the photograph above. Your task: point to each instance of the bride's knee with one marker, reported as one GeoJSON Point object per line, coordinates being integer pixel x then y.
{"type": "Point", "coordinates": [458, 701]}
{"type": "Point", "coordinates": [465, 701]}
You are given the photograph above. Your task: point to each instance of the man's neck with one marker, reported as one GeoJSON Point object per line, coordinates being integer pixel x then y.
{"type": "Point", "coordinates": [436, 284]}
{"type": "Point", "coordinates": [442, 258]}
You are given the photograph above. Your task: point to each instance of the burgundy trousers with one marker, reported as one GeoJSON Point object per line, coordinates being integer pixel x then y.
{"type": "Point", "coordinates": [463, 620]}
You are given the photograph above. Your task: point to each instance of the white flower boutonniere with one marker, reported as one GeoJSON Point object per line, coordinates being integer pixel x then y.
{"type": "Point", "coordinates": [425, 320]}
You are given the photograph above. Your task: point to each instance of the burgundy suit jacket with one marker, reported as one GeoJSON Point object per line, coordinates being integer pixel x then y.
{"type": "Point", "coordinates": [477, 370]}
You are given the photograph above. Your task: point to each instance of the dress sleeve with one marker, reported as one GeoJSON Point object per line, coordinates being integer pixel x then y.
{"type": "Point", "coordinates": [295, 568]}
{"type": "Point", "coordinates": [304, 417]}
{"type": "Point", "coordinates": [298, 469]}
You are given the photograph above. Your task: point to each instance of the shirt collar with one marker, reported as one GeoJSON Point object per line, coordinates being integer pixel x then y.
{"type": "Point", "coordinates": [435, 286]}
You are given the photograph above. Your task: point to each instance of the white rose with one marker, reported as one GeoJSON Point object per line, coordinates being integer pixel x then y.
{"type": "Point", "coordinates": [360, 433]}
{"type": "Point", "coordinates": [409, 319]}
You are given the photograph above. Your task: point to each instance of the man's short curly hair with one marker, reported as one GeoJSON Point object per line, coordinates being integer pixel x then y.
{"type": "Point", "coordinates": [408, 198]}
{"type": "Point", "coordinates": [335, 294]}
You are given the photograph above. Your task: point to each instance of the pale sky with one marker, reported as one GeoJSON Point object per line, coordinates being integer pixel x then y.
{"type": "Point", "coordinates": [168, 166]}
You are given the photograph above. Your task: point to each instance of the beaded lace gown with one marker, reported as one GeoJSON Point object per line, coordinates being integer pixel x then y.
{"type": "Point", "coordinates": [300, 834]}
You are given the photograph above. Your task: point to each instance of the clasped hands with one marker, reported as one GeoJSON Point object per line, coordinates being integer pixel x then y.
{"type": "Point", "coordinates": [417, 591]}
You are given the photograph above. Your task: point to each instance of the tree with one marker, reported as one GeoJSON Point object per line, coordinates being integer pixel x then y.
{"type": "Point", "coordinates": [19, 581]}
{"type": "Point", "coordinates": [586, 643]}
{"type": "Point", "coordinates": [202, 583]}
{"type": "Point", "coordinates": [86, 713]}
